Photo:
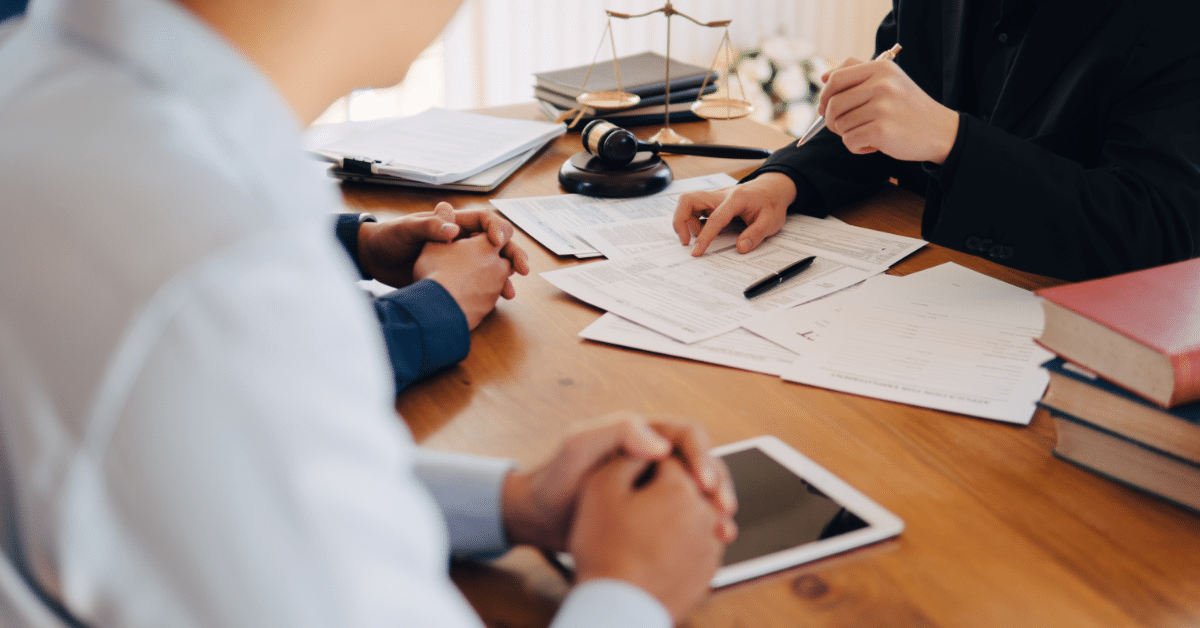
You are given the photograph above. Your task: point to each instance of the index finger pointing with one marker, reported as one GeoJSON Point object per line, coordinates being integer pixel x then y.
{"type": "Point", "coordinates": [717, 220]}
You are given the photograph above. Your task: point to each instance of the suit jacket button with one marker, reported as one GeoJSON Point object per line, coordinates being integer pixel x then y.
{"type": "Point", "coordinates": [985, 244]}
{"type": "Point", "coordinates": [996, 252]}
{"type": "Point", "coordinates": [1006, 253]}
{"type": "Point", "coordinates": [974, 243]}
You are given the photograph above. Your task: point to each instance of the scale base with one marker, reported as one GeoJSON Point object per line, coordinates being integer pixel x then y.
{"type": "Point", "coordinates": [585, 174]}
{"type": "Point", "coordinates": [667, 135]}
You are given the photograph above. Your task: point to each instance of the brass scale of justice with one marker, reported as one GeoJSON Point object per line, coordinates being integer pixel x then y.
{"type": "Point", "coordinates": [614, 163]}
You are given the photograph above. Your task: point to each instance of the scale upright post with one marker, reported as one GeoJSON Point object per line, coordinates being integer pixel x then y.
{"type": "Point", "coordinates": [667, 135]}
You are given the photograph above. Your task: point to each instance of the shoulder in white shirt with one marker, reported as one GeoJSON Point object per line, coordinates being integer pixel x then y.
{"type": "Point", "coordinates": [194, 400]}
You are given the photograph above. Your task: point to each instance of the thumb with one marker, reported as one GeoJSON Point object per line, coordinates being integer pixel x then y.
{"type": "Point", "coordinates": [442, 224]}
{"type": "Point", "coordinates": [751, 237]}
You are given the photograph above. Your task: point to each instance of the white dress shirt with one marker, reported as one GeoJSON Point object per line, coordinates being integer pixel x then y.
{"type": "Point", "coordinates": [195, 403]}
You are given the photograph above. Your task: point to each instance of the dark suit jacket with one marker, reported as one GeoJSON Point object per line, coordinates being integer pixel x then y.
{"type": "Point", "coordinates": [1090, 163]}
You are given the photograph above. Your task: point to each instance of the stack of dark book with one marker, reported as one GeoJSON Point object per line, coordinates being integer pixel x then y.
{"type": "Point", "coordinates": [642, 74]}
{"type": "Point", "coordinates": [1125, 389]}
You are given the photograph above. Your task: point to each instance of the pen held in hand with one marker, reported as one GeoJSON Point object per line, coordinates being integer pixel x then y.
{"type": "Point", "coordinates": [774, 279]}
{"type": "Point", "coordinates": [819, 123]}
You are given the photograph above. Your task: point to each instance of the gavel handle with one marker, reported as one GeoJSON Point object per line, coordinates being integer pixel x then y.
{"type": "Point", "coordinates": [712, 150]}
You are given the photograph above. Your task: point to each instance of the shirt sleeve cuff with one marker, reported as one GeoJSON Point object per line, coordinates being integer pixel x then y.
{"type": "Point", "coordinates": [346, 229]}
{"type": "Point", "coordinates": [604, 603]}
{"type": "Point", "coordinates": [424, 329]}
{"type": "Point", "coordinates": [468, 491]}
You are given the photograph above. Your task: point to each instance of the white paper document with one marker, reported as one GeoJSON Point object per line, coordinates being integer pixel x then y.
{"type": "Point", "coordinates": [693, 298]}
{"type": "Point", "coordinates": [797, 328]}
{"type": "Point", "coordinates": [738, 348]}
{"type": "Point", "coordinates": [557, 221]}
{"type": "Point", "coordinates": [439, 145]}
{"type": "Point", "coordinates": [623, 239]}
{"type": "Point", "coordinates": [949, 339]}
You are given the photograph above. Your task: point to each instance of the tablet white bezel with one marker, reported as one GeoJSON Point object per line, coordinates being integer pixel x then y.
{"type": "Point", "coordinates": [881, 524]}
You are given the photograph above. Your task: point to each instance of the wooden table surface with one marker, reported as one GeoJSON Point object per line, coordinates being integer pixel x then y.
{"type": "Point", "coordinates": [999, 532]}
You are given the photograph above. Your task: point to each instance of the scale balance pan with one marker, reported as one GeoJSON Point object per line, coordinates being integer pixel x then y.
{"type": "Point", "coordinates": [608, 100]}
{"type": "Point", "coordinates": [586, 174]}
{"type": "Point", "coordinates": [722, 108]}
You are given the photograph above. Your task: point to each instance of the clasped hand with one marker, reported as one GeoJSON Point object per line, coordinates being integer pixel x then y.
{"type": "Point", "coordinates": [665, 534]}
{"type": "Point", "coordinates": [469, 252]}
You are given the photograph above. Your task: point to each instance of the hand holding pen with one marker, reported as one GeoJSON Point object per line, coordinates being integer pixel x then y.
{"type": "Point", "coordinates": [819, 123]}
{"type": "Point", "coordinates": [875, 106]}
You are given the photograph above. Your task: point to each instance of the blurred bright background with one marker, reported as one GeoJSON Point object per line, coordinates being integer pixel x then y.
{"type": "Point", "coordinates": [489, 52]}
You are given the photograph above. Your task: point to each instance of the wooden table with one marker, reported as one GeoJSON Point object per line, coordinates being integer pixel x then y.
{"type": "Point", "coordinates": [999, 532]}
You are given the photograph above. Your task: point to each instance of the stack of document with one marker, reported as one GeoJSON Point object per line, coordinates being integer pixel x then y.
{"type": "Point", "coordinates": [587, 226]}
{"type": "Point", "coordinates": [437, 148]}
{"type": "Point", "coordinates": [946, 338]}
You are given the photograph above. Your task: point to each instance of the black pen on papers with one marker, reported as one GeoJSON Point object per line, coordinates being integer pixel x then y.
{"type": "Point", "coordinates": [774, 279]}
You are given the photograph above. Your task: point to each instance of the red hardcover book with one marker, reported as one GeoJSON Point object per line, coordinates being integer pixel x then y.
{"type": "Point", "coordinates": [1139, 330]}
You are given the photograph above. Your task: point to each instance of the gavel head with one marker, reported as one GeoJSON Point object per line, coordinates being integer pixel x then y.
{"type": "Point", "coordinates": [612, 144]}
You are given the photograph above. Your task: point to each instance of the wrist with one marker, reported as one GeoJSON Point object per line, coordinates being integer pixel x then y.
{"type": "Point", "coordinates": [780, 187]}
{"type": "Point", "coordinates": [519, 516]}
{"type": "Point", "coordinates": [945, 136]}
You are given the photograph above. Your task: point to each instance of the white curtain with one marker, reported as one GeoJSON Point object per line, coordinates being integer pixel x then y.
{"type": "Point", "coordinates": [493, 47]}
{"type": "Point", "coordinates": [490, 50]}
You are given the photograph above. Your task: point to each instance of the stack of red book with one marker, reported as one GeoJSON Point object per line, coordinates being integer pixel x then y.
{"type": "Point", "coordinates": [1125, 389]}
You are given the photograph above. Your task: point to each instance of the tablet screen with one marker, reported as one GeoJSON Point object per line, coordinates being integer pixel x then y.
{"type": "Point", "coordinates": [778, 510]}
{"type": "Point", "coordinates": [792, 511]}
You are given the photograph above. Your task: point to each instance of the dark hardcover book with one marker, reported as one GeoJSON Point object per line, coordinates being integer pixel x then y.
{"type": "Point", "coordinates": [1080, 393]}
{"type": "Point", "coordinates": [642, 74]}
{"type": "Point", "coordinates": [682, 113]}
{"type": "Point", "coordinates": [1127, 461]}
{"type": "Point", "coordinates": [683, 96]}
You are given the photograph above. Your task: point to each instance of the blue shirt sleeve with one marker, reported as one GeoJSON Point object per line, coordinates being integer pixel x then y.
{"type": "Point", "coordinates": [346, 230]}
{"type": "Point", "coordinates": [424, 330]}
{"type": "Point", "coordinates": [423, 326]}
